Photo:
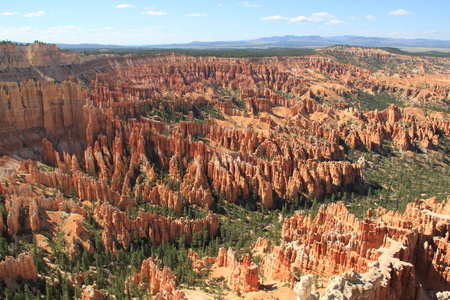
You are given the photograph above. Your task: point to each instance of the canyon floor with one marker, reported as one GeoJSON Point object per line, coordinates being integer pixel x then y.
{"type": "Point", "coordinates": [322, 175]}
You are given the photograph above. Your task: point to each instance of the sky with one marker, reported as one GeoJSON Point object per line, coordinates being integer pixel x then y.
{"type": "Point", "coordinates": [142, 22]}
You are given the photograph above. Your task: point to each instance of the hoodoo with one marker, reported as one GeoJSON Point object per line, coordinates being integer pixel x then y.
{"type": "Point", "coordinates": [179, 176]}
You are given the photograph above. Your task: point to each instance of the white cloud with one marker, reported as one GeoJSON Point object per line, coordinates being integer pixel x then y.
{"type": "Point", "coordinates": [154, 13]}
{"type": "Point", "coordinates": [274, 18]}
{"type": "Point", "coordinates": [125, 6]}
{"type": "Point", "coordinates": [248, 4]}
{"type": "Point", "coordinates": [221, 4]}
{"type": "Point", "coordinates": [35, 14]}
{"type": "Point", "coordinates": [351, 18]}
{"type": "Point", "coordinates": [196, 15]}
{"type": "Point", "coordinates": [400, 12]}
{"type": "Point", "coordinates": [9, 13]}
{"type": "Point", "coordinates": [316, 18]}
{"type": "Point", "coordinates": [335, 22]}
{"type": "Point", "coordinates": [299, 19]}
{"type": "Point", "coordinates": [371, 17]}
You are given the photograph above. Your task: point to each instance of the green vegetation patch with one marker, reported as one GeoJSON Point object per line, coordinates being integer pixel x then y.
{"type": "Point", "coordinates": [365, 101]}
{"type": "Point", "coordinates": [229, 53]}
{"type": "Point", "coordinates": [426, 53]}
{"type": "Point", "coordinates": [395, 181]}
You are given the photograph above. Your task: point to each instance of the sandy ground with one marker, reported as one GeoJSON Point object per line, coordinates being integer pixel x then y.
{"type": "Point", "coordinates": [42, 242]}
{"type": "Point", "coordinates": [270, 289]}
{"type": "Point", "coordinates": [54, 222]}
{"type": "Point", "coordinates": [221, 272]}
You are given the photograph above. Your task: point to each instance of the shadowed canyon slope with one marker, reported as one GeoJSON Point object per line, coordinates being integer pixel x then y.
{"type": "Point", "coordinates": [148, 158]}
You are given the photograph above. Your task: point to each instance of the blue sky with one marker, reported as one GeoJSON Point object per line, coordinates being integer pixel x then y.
{"type": "Point", "coordinates": [157, 22]}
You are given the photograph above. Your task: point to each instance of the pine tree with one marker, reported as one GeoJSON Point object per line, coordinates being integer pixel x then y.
{"type": "Point", "coordinates": [85, 260]}
{"type": "Point", "coordinates": [100, 278]}
{"type": "Point", "coordinates": [28, 294]}
{"type": "Point", "coordinates": [8, 294]}
{"type": "Point", "coordinates": [87, 278]}
{"type": "Point", "coordinates": [48, 290]}
{"type": "Point", "coordinates": [65, 288]}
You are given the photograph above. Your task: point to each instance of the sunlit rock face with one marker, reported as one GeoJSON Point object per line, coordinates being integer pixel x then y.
{"type": "Point", "coordinates": [129, 144]}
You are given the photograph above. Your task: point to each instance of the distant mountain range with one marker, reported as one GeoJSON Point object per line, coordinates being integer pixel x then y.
{"type": "Point", "coordinates": [287, 41]}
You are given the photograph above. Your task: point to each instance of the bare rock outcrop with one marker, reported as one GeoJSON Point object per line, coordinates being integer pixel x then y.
{"type": "Point", "coordinates": [303, 288]}
{"type": "Point", "coordinates": [157, 281]}
{"type": "Point", "coordinates": [329, 244]}
{"type": "Point", "coordinates": [23, 266]}
{"type": "Point", "coordinates": [41, 104]}
{"type": "Point", "coordinates": [375, 284]}
{"type": "Point", "coordinates": [244, 275]}
{"type": "Point", "coordinates": [126, 135]}
{"type": "Point", "coordinates": [2, 226]}
{"type": "Point", "coordinates": [119, 229]}
{"type": "Point", "coordinates": [379, 259]}
{"type": "Point", "coordinates": [28, 208]}
{"type": "Point", "coordinates": [91, 292]}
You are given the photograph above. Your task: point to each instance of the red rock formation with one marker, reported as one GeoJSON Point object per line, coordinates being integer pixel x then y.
{"type": "Point", "coordinates": [160, 282]}
{"type": "Point", "coordinates": [392, 124]}
{"type": "Point", "coordinates": [193, 184]}
{"type": "Point", "coordinates": [108, 126]}
{"type": "Point", "coordinates": [23, 266]}
{"type": "Point", "coordinates": [26, 213]}
{"type": "Point", "coordinates": [50, 155]}
{"type": "Point", "coordinates": [405, 246]}
{"type": "Point", "coordinates": [258, 105]}
{"type": "Point", "coordinates": [387, 278]}
{"type": "Point", "coordinates": [285, 174]}
{"type": "Point", "coordinates": [119, 229]}
{"type": "Point", "coordinates": [41, 104]}
{"type": "Point", "coordinates": [34, 55]}
{"type": "Point", "coordinates": [226, 258]}
{"type": "Point", "coordinates": [227, 175]}
{"type": "Point", "coordinates": [33, 211]}
{"type": "Point", "coordinates": [1, 225]}
{"type": "Point", "coordinates": [311, 245]}
{"type": "Point", "coordinates": [429, 249]}
{"type": "Point", "coordinates": [244, 276]}
{"type": "Point", "coordinates": [30, 208]}
{"type": "Point", "coordinates": [91, 292]}
{"type": "Point", "coordinates": [199, 264]}
{"type": "Point", "coordinates": [262, 244]}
